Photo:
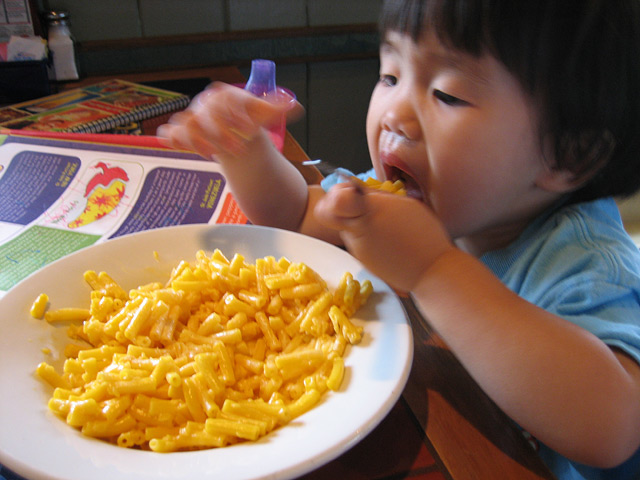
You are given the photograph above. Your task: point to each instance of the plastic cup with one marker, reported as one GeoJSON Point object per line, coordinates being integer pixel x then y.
{"type": "Point", "coordinates": [277, 132]}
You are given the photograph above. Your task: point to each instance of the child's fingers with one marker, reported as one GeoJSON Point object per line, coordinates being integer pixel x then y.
{"type": "Point", "coordinates": [396, 237]}
{"type": "Point", "coordinates": [185, 131]}
{"type": "Point", "coordinates": [342, 207]}
{"type": "Point", "coordinates": [223, 119]}
{"type": "Point", "coordinates": [295, 112]}
{"type": "Point", "coordinates": [225, 107]}
{"type": "Point", "coordinates": [176, 135]}
{"type": "Point", "coordinates": [270, 110]}
{"type": "Point", "coordinates": [169, 133]}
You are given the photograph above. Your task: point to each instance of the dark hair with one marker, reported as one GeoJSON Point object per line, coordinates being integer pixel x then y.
{"type": "Point", "coordinates": [578, 59]}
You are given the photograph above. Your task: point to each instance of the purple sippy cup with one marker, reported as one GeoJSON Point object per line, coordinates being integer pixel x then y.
{"type": "Point", "coordinates": [262, 83]}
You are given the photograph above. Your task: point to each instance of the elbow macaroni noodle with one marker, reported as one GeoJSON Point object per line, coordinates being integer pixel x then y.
{"type": "Point", "coordinates": [224, 352]}
{"type": "Point", "coordinates": [396, 187]}
{"type": "Point", "coordinates": [39, 306]}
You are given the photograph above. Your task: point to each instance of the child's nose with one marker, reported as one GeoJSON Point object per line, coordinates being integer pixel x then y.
{"type": "Point", "coordinates": [400, 118]}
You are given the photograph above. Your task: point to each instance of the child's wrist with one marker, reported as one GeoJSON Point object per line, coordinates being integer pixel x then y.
{"type": "Point", "coordinates": [450, 262]}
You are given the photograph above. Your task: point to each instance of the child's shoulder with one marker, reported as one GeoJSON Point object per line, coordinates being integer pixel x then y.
{"type": "Point", "coordinates": [579, 263]}
{"type": "Point", "coordinates": [592, 226]}
{"type": "Point", "coordinates": [587, 228]}
{"type": "Point", "coordinates": [577, 243]}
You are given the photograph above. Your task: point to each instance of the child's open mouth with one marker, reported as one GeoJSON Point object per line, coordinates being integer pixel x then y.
{"type": "Point", "coordinates": [393, 148]}
{"type": "Point", "coordinates": [393, 171]}
{"type": "Point", "coordinates": [410, 185]}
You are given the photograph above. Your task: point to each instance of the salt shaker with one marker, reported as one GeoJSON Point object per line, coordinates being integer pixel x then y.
{"type": "Point", "coordinates": [61, 45]}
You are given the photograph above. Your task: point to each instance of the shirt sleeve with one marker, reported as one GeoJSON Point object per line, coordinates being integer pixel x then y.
{"type": "Point", "coordinates": [609, 310]}
{"type": "Point", "coordinates": [580, 265]}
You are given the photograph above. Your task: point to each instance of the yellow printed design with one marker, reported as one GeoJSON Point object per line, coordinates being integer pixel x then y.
{"type": "Point", "coordinates": [100, 203]}
{"type": "Point", "coordinates": [223, 352]}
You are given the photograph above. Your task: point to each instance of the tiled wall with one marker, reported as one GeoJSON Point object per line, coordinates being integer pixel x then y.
{"type": "Point", "coordinates": [117, 19]}
{"type": "Point", "coordinates": [335, 93]}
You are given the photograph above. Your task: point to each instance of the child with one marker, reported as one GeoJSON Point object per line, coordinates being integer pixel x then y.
{"type": "Point", "coordinates": [511, 123]}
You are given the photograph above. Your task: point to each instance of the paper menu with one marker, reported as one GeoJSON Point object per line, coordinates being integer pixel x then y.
{"type": "Point", "coordinates": [58, 196]}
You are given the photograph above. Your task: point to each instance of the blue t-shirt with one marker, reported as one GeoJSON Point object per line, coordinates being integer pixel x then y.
{"type": "Point", "coordinates": [579, 263]}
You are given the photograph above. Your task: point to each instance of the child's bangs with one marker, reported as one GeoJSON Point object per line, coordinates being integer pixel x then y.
{"type": "Point", "coordinates": [459, 24]}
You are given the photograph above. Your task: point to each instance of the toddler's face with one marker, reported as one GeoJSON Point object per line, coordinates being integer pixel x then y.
{"type": "Point", "coordinates": [462, 134]}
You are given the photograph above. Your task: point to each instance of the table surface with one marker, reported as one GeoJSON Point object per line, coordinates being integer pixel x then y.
{"type": "Point", "coordinates": [443, 427]}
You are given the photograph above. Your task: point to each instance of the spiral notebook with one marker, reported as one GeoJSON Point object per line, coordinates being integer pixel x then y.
{"type": "Point", "coordinates": [99, 108]}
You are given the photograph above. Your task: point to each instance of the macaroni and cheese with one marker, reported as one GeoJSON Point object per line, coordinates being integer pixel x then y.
{"type": "Point", "coordinates": [225, 351]}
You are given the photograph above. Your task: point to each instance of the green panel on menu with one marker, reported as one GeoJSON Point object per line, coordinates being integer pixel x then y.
{"type": "Point", "coordinates": [35, 248]}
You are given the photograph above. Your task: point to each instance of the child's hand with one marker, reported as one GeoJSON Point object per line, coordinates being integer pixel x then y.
{"type": "Point", "coordinates": [395, 237]}
{"type": "Point", "coordinates": [223, 120]}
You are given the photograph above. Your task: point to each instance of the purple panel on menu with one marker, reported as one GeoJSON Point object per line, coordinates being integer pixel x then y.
{"type": "Point", "coordinates": [32, 182]}
{"type": "Point", "coordinates": [173, 196]}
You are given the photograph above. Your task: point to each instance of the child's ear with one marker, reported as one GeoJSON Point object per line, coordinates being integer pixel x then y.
{"type": "Point", "coordinates": [559, 181]}
{"type": "Point", "coordinates": [585, 155]}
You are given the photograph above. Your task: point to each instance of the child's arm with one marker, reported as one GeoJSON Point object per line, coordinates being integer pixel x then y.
{"type": "Point", "coordinates": [556, 380]}
{"type": "Point", "coordinates": [226, 123]}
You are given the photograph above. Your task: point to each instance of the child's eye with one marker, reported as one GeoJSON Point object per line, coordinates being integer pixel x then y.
{"type": "Point", "coordinates": [448, 99]}
{"type": "Point", "coordinates": [388, 80]}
